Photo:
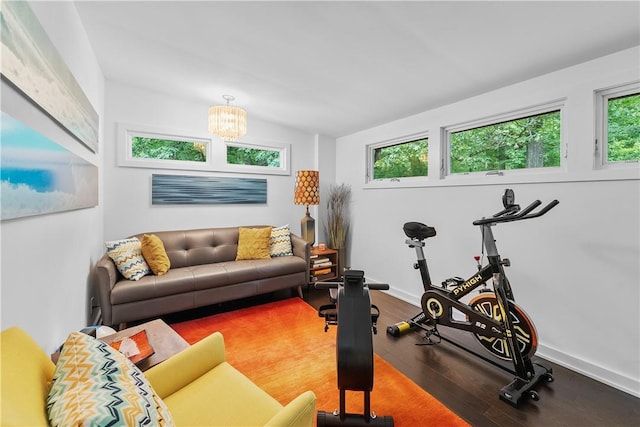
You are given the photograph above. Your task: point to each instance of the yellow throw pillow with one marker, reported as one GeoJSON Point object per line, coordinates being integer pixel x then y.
{"type": "Point", "coordinates": [155, 255]}
{"type": "Point", "coordinates": [254, 243]}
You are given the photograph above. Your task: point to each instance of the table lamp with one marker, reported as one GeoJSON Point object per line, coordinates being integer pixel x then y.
{"type": "Point", "coordinates": [307, 193]}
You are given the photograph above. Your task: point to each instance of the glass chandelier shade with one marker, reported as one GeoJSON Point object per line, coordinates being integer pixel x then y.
{"type": "Point", "coordinates": [227, 121]}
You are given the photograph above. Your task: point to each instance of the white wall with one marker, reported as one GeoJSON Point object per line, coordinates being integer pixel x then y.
{"type": "Point", "coordinates": [575, 271]}
{"type": "Point", "coordinates": [325, 148]}
{"type": "Point", "coordinates": [128, 207]}
{"type": "Point", "coordinates": [47, 260]}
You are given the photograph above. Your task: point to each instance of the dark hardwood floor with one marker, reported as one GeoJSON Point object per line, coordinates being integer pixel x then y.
{"type": "Point", "coordinates": [469, 386]}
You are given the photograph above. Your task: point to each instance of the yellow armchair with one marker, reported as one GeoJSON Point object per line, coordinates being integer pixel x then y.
{"type": "Point", "coordinates": [201, 389]}
{"type": "Point", "coordinates": [197, 385]}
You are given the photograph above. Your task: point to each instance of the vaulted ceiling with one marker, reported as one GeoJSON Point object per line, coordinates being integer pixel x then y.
{"type": "Point", "coordinates": [335, 68]}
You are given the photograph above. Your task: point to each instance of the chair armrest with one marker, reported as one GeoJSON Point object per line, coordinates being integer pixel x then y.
{"type": "Point", "coordinates": [185, 367]}
{"type": "Point", "coordinates": [299, 412]}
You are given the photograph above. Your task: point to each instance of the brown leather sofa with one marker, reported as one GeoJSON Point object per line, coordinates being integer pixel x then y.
{"type": "Point", "coordinates": [203, 272]}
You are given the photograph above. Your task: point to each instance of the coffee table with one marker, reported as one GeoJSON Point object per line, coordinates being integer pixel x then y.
{"type": "Point", "coordinates": [165, 341]}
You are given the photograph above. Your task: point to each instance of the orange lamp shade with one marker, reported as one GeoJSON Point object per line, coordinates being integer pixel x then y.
{"type": "Point", "coordinates": [307, 188]}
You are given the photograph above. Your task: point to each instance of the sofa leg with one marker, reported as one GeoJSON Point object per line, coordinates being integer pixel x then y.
{"type": "Point", "coordinates": [300, 292]}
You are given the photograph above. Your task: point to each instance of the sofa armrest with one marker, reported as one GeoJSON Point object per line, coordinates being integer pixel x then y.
{"type": "Point", "coordinates": [299, 412]}
{"type": "Point", "coordinates": [185, 367]}
{"type": "Point", "coordinates": [301, 248]}
{"type": "Point", "coordinates": [107, 277]}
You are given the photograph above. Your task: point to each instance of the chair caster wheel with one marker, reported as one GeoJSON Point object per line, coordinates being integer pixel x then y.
{"type": "Point", "coordinates": [533, 395]}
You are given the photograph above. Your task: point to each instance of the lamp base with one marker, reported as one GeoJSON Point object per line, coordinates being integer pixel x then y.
{"type": "Point", "coordinates": [308, 228]}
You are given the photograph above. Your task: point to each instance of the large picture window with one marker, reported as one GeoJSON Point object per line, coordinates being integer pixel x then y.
{"type": "Point", "coordinates": [524, 140]}
{"type": "Point", "coordinates": [399, 159]}
{"type": "Point", "coordinates": [618, 121]}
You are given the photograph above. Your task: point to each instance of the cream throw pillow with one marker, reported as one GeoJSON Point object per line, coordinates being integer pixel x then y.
{"type": "Point", "coordinates": [281, 241]}
{"type": "Point", "coordinates": [127, 255]}
{"type": "Point", "coordinates": [254, 243]}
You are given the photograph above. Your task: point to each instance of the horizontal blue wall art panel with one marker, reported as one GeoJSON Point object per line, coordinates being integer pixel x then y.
{"type": "Point", "coordinates": [204, 190]}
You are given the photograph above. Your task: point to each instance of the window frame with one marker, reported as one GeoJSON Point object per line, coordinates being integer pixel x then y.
{"type": "Point", "coordinates": [601, 149]}
{"type": "Point", "coordinates": [216, 153]}
{"type": "Point", "coordinates": [126, 158]}
{"type": "Point", "coordinates": [370, 156]}
{"type": "Point", "coordinates": [535, 110]}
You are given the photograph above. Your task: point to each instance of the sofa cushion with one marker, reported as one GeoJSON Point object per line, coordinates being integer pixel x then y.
{"type": "Point", "coordinates": [93, 384]}
{"type": "Point", "coordinates": [154, 254]}
{"type": "Point", "coordinates": [254, 243]}
{"type": "Point", "coordinates": [127, 255]}
{"type": "Point", "coordinates": [281, 241]}
{"type": "Point", "coordinates": [220, 398]}
{"type": "Point", "coordinates": [176, 281]}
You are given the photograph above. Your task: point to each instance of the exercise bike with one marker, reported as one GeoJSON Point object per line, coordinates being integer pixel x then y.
{"type": "Point", "coordinates": [510, 337]}
{"type": "Point", "coordinates": [351, 310]}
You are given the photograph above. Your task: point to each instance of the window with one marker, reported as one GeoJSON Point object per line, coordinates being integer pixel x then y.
{"type": "Point", "coordinates": [251, 156]}
{"type": "Point", "coordinates": [399, 159]}
{"type": "Point", "coordinates": [147, 147]}
{"type": "Point", "coordinates": [168, 149]}
{"type": "Point", "coordinates": [526, 140]}
{"type": "Point", "coordinates": [618, 119]}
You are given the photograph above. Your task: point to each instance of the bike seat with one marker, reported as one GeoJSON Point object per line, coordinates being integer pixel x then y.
{"type": "Point", "coordinates": [418, 230]}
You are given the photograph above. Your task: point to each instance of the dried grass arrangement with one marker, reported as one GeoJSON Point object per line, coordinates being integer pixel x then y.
{"type": "Point", "coordinates": [337, 226]}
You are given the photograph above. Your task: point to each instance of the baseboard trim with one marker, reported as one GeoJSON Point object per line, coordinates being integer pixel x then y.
{"type": "Point", "coordinates": [614, 379]}
{"type": "Point", "coordinates": [404, 296]}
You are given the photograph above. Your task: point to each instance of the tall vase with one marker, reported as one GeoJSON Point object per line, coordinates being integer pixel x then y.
{"type": "Point", "coordinates": [342, 261]}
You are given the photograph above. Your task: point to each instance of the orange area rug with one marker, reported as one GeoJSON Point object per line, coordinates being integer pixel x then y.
{"type": "Point", "coordinates": [282, 347]}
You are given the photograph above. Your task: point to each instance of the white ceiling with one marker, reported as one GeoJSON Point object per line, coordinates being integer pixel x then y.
{"type": "Point", "coordinates": [335, 68]}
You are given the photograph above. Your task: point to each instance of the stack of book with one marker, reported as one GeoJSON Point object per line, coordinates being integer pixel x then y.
{"type": "Point", "coordinates": [321, 268]}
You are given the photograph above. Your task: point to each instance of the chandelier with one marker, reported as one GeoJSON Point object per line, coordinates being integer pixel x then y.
{"type": "Point", "coordinates": [227, 121]}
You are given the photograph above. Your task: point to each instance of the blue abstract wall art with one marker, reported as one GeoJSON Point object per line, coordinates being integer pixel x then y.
{"type": "Point", "coordinates": [204, 190]}
{"type": "Point", "coordinates": [38, 176]}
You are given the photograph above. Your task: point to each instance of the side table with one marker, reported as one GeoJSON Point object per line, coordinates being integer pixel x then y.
{"type": "Point", "coordinates": [163, 339]}
{"type": "Point", "coordinates": [324, 264]}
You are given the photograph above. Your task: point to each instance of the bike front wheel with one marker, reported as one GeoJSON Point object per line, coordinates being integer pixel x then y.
{"type": "Point", "coordinates": [526, 335]}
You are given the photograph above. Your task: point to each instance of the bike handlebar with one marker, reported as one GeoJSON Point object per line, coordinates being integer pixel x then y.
{"type": "Point", "coordinates": [507, 215]}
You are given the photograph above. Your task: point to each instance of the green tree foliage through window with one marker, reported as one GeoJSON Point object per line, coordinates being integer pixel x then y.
{"type": "Point", "coordinates": [623, 131]}
{"type": "Point", "coordinates": [252, 156]}
{"type": "Point", "coordinates": [407, 159]}
{"type": "Point", "coordinates": [529, 142]}
{"type": "Point", "coordinates": [167, 149]}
